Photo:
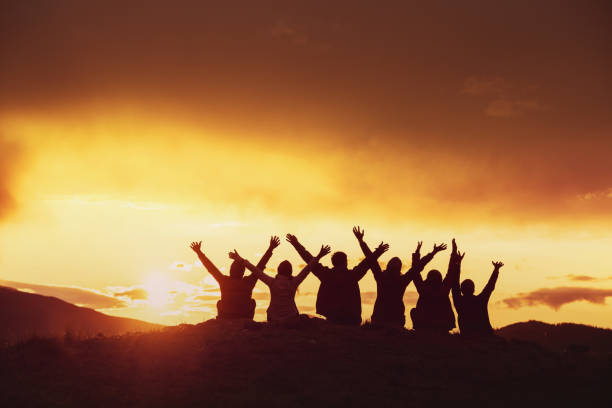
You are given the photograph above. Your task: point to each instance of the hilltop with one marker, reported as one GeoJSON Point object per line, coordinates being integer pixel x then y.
{"type": "Point", "coordinates": [23, 315]}
{"type": "Point", "coordinates": [242, 363]}
{"type": "Point", "coordinates": [560, 337]}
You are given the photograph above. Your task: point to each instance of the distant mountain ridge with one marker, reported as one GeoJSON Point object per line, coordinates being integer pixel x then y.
{"type": "Point", "coordinates": [23, 315]}
{"type": "Point", "coordinates": [562, 336]}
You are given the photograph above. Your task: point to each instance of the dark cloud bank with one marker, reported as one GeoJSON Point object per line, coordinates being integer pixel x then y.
{"type": "Point", "coordinates": [513, 95]}
{"type": "Point", "coordinates": [557, 297]}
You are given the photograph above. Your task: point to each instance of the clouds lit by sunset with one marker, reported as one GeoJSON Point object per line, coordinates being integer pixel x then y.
{"type": "Point", "coordinates": [127, 132]}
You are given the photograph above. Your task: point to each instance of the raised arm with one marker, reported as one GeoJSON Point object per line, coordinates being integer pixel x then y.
{"type": "Point", "coordinates": [490, 286]}
{"type": "Point", "coordinates": [452, 271]}
{"type": "Point", "coordinates": [414, 273]}
{"type": "Point", "coordinates": [212, 269]}
{"type": "Point", "coordinates": [418, 282]}
{"type": "Point", "coordinates": [303, 252]}
{"type": "Point", "coordinates": [317, 269]}
{"type": "Point", "coordinates": [427, 258]}
{"type": "Point", "coordinates": [256, 271]}
{"type": "Point", "coordinates": [325, 249]}
{"type": "Point", "coordinates": [414, 267]}
{"type": "Point", "coordinates": [455, 273]}
{"type": "Point", "coordinates": [362, 267]}
{"type": "Point", "coordinates": [274, 242]}
{"type": "Point", "coordinates": [418, 264]}
{"type": "Point", "coordinates": [374, 265]}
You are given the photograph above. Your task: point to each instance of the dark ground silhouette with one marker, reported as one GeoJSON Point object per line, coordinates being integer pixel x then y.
{"type": "Point", "coordinates": [233, 363]}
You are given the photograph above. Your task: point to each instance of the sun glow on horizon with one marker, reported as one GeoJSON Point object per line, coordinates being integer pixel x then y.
{"type": "Point", "coordinates": [140, 199]}
{"type": "Point", "coordinates": [158, 288]}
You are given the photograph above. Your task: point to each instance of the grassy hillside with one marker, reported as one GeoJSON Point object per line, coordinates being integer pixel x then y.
{"type": "Point", "coordinates": [23, 315]}
{"type": "Point", "coordinates": [250, 364]}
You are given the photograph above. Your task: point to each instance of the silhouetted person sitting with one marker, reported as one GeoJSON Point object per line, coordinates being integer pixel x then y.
{"type": "Point", "coordinates": [389, 309]}
{"type": "Point", "coordinates": [433, 311]}
{"type": "Point", "coordinates": [283, 286]}
{"type": "Point", "coordinates": [472, 310]}
{"type": "Point", "coordinates": [236, 289]}
{"type": "Point", "coordinates": [338, 299]}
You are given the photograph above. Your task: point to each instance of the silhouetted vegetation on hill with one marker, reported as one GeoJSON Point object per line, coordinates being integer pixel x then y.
{"type": "Point", "coordinates": [23, 315]}
{"type": "Point", "coordinates": [239, 363]}
{"type": "Point", "coordinates": [562, 337]}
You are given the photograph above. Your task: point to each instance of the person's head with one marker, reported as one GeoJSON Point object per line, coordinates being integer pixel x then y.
{"type": "Point", "coordinates": [467, 287]}
{"type": "Point", "coordinates": [434, 279]}
{"type": "Point", "coordinates": [237, 269]}
{"type": "Point", "coordinates": [339, 260]}
{"type": "Point", "coordinates": [285, 268]}
{"type": "Point", "coordinates": [394, 266]}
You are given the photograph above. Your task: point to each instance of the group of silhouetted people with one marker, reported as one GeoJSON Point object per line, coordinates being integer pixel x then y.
{"type": "Point", "coordinates": [339, 298]}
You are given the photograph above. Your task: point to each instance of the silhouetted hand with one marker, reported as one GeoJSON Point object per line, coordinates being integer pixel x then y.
{"type": "Point", "coordinates": [498, 264]}
{"type": "Point", "coordinates": [438, 248]}
{"type": "Point", "coordinates": [456, 256]}
{"type": "Point", "coordinates": [196, 246]}
{"type": "Point", "coordinates": [325, 249]}
{"type": "Point", "coordinates": [416, 255]}
{"type": "Point", "coordinates": [274, 242]}
{"type": "Point", "coordinates": [358, 233]}
{"type": "Point", "coordinates": [382, 248]}
{"type": "Point", "coordinates": [292, 239]}
{"type": "Point", "coordinates": [235, 256]}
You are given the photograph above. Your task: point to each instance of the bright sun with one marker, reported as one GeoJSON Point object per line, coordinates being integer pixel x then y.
{"type": "Point", "coordinates": [158, 288]}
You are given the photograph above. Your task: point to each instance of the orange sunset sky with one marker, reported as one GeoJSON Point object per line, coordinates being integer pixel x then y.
{"type": "Point", "coordinates": [128, 131]}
